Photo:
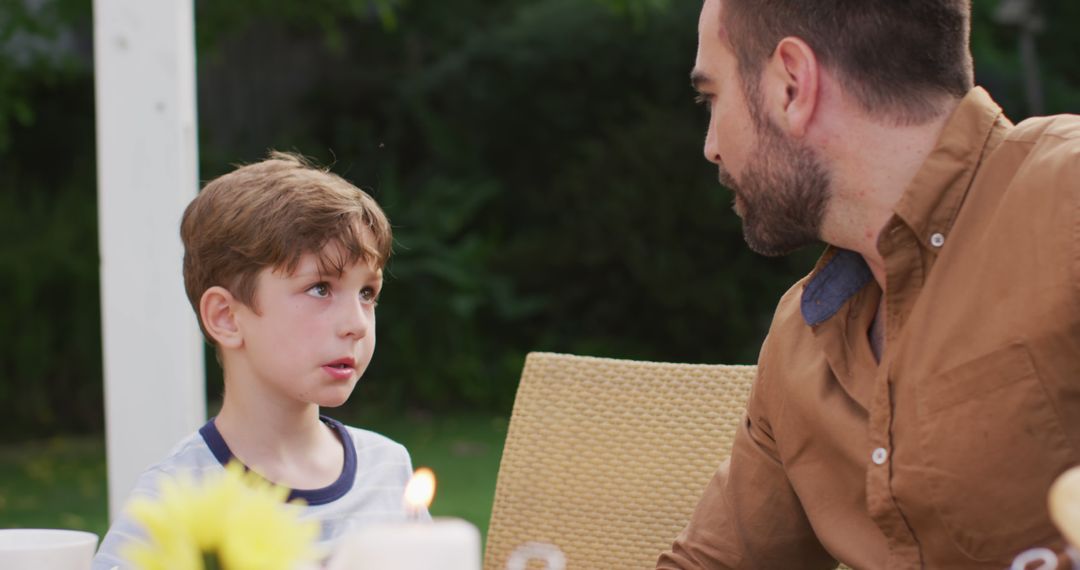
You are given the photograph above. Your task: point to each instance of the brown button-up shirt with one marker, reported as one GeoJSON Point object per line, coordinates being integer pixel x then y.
{"type": "Point", "coordinates": [941, 455]}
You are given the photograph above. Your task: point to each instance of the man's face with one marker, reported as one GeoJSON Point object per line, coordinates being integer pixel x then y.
{"type": "Point", "coordinates": [781, 186]}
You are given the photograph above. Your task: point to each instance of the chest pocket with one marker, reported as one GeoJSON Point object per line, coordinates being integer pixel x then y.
{"type": "Point", "coordinates": [992, 445]}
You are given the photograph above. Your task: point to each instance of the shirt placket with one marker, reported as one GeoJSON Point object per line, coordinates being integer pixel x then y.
{"type": "Point", "coordinates": [904, 276]}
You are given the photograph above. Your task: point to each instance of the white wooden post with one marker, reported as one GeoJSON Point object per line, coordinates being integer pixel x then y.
{"type": "Point", "coordinates": [144, 63]}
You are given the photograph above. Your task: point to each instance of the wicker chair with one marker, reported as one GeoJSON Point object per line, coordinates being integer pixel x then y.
{"type": "Point", "coordinates": [607, 458]}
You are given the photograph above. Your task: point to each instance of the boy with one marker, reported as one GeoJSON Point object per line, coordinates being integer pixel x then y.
{"type": "Point", "coordinates": [283, 265]}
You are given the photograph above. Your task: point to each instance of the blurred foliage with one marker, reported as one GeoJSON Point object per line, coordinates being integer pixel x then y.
{"type": "Point", "coordinates": [540, 160]}
{"type": "Point", "coordinates": [50, 340]}
{"type": "Point", "coordinates": [31, 35]}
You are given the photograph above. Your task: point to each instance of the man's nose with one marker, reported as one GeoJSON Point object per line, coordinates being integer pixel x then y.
{"type": "Point", "coordinates": [712, 154]}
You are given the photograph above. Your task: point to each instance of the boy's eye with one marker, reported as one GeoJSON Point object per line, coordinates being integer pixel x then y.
{"type": "Point", "coordinates": [319, 290]}
{"type": "Point", "coordinates": [368, 295]}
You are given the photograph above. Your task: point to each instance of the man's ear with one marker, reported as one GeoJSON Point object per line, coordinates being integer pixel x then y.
{"type": "Point", "coordinates": [791, 85]}
{"type": "Point", "coordinates": [217, 308]}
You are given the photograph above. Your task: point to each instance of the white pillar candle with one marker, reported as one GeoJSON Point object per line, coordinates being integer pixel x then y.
{"type": "Point", "coordinates": [442, 544]}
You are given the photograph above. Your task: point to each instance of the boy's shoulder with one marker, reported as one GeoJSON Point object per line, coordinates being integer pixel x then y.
{"type": "Point", "coordinates": [376, 461]}
{"type": "Point", "coordinates": [365, 440]}
{"type": "Point", "coordinates": [190, 458]}
{"type": "Point", "coordinates": [190, 453]}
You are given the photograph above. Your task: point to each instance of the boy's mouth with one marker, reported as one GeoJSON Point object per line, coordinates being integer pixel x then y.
{"type": "Point", "coordinates": [343, 364]}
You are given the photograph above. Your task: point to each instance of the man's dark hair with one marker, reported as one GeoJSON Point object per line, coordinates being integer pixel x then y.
{"type": "Point", "coordinates": [896, 57]}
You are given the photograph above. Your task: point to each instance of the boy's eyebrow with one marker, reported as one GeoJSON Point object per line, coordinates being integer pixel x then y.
{"type": "Point", "coordinates": [316, 274]}
{"type": "Point", "coordinates": [309, 274]}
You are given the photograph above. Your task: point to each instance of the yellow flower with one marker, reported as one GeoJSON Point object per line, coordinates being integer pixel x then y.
{"type": "Point", "coordinates": [235, 517]}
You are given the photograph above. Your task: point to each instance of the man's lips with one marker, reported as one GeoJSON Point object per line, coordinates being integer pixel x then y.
{"type": "Point", "coordinates": [726, 178]}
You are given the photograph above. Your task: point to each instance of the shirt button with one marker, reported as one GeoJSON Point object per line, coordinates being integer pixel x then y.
{"type": "Point", "coordinates": [880, 456]}
{"type": "Point", "coordinates": [937, 240]}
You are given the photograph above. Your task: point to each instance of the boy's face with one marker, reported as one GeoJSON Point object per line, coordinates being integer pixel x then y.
{"type": "Point", "coordinates": [313, 335]}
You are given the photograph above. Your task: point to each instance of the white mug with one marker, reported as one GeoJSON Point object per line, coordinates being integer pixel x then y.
{"type": "Point", "coordinates": [553, 558]}
{"type": "Point", "coordinates": [46, 549]}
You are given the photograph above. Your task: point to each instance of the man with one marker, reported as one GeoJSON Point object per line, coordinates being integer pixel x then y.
{"type": "Point", "coordinates": [920, 390]}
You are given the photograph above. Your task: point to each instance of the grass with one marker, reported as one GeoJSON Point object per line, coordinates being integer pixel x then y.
{"type": "Point", "coordinates": [60, 483]}
{"type": "Point", "coordinates": [57, 483]}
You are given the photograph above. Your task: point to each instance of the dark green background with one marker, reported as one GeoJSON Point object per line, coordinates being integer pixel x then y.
{"type": "Point", "coordinates": [540, 160]}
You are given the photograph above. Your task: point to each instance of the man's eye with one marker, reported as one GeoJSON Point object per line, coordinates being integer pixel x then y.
{"type": "Point", "coordinates": [319, 290]}
{"type": "Point", "coordinates": [702, 99]}
{"type": "Point", "coordinates": [368, 295]}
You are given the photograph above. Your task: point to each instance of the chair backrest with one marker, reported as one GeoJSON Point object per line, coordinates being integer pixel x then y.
{"type": "Point", "coordinates": [606, 459]}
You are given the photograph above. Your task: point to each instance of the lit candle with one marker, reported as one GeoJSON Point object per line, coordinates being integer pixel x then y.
{"type": "Point", "coordinates": [443, 543]}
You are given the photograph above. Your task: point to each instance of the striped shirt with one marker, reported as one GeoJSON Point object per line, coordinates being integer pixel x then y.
{"type": "Point", "coordinates": [369, 489]}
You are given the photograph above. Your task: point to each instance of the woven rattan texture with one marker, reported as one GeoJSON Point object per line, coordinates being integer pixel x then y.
{"type": "Point", "coordinates": [607, 458]}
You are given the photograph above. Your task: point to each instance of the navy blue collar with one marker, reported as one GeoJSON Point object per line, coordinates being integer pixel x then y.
{"type": "Point", "coordinates": [328, 494]}
{"type": "Point", "coordinates": [841, 277]}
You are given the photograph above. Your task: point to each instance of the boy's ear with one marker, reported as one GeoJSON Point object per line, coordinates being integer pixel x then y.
{"type": "Point", "coordinates": [217, 308]}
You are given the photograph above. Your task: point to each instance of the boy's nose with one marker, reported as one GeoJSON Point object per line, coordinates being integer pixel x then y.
{"type": "Point", "coordinates": [355, 321]}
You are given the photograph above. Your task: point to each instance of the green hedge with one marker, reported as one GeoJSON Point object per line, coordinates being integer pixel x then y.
{"type": "Point", "coordinates": [540, 160]}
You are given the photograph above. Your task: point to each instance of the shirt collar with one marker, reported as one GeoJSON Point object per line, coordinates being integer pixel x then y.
{"type": "Point", "coordinates": [321, 496]}
{"type": "Point", "coordinates": [840, 274]}
{"type": "Point", "coordinates": [928, 206]}
{"type": "Point", "coordinates": [931, 201]}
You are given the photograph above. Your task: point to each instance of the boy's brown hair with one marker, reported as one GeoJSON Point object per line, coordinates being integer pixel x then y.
{"type": "Point", "coordinates": [269, 214]}
{"type": "Point", "coordinates": [897, 57]}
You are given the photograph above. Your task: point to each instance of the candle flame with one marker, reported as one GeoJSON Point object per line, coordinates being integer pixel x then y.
{"type": "Point", "coordinates": [421, 489]}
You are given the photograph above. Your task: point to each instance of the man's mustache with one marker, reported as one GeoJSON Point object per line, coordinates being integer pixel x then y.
{"type": "Point", "coordinates": [725, 177]}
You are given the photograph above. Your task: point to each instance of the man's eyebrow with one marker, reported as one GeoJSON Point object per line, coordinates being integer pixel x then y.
{"type": "Point", "coordinates": [699, 79]}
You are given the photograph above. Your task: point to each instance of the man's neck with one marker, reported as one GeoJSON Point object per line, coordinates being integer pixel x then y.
{"type": "Point", "coordinates": [873, 163]}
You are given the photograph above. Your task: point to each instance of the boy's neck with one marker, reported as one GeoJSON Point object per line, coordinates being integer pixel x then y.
{"type": "Point", "coordinates": [284, 442]}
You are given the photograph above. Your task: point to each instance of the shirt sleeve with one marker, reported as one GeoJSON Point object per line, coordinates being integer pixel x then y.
{"type": "Point", "coordinates": [124, 530]}
{"type": "Point", "coordinates": [749, 515]}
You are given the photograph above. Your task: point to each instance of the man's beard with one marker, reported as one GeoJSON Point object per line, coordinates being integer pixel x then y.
{"type": "Point", "coordinates": [782, 193]}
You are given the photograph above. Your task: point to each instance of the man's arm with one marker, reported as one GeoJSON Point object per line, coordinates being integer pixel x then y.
{"type": "Point", "coordinates": [749, 516]}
